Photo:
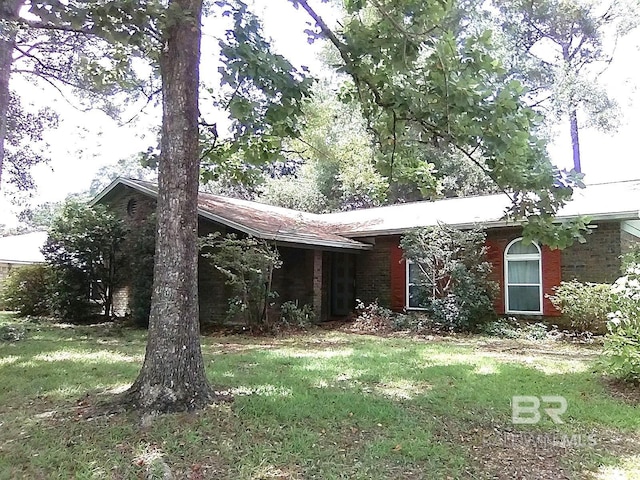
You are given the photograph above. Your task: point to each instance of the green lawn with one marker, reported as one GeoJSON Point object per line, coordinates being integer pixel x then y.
{"type": "Point", "coordinates": [323, 405]}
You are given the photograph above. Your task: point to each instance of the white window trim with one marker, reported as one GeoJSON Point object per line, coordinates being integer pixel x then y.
{"type": "Point", "coordinates": [406, 289]}
{"type": "Point", "coordinates": [522, 257]}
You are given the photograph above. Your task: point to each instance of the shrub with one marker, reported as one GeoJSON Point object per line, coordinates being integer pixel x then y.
{"type": "Point", "coordinates": [141, 253]}
{"type": "Point", "coordinates": [451, 277]}
{"type": "Point", "coordinates": [502, 328]}
{"type": "Point", "coordinates": [511, 328]}
{"type": "Point", "coordinates": [291, 315]}
{"type": "Point", "coordinates": [413, 322]}
{"type": "Point", "coordinates": [69, 294]}
{"type": "Point", "coordinates": [27, 290]}
{"type": "Point", "coordinates": [585, 305]}
{"type": "Point", "coordinates": [621, 355]}
{"type": "Point", "coordinates": [248, 264]}
{"type": "Point", "coordinates": [12, 333]}
{"type": "Point", "coordinates": [83, 246]}
{"type": "Point", "coordinates": [372, 318]}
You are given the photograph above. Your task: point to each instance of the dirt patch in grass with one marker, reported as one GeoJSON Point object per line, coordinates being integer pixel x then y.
{"type": "Point", "coordinates": [628, 392]}
{"type": "Point", "coordinates": [504, 453]}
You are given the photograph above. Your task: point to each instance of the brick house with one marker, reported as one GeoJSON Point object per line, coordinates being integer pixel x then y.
{"type": "Point", "coordinates": [330, 260]}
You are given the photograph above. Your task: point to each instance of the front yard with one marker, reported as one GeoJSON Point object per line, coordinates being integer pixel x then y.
{"type": "Point", "coordinates": [320, 405]}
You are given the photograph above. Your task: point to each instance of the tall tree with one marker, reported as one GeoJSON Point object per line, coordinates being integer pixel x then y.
{"type": "Point", "coordinates": [9, 10]}
{"type": "Point", "coordinates": [173, 376]}
{"type": "Point", "coordinates": [68, 53]}
{"type": "Point", "coordinates": [265, 100]}
{"type": "Point", "coordinates": [423, 80]}
{"type": "Point", "coordinates": [559, 49]}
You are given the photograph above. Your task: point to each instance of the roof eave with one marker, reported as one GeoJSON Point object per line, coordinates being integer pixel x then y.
{"type": "Point", "coordinates": [293, 239]}
{"type": "Point", "coordinates": [626, 215]}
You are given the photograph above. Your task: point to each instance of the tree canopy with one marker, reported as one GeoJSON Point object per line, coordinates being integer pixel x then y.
{"type": "Point", "coordinates": [424, 80]}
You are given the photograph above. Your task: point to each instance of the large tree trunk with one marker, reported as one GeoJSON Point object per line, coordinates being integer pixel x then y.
{"type": "Point", "coordinates": [173, 376]}
{"type": "Point", "coordinates": [575, 139]}
{"type": "Point", "coordinates": [9, 10]}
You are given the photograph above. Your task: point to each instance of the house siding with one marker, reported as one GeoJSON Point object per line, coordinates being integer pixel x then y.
{"type": "Point", "coordinates": [132, 218]}
{"type": "Point", "coordinates": [497, 241]}
{"type": "Point", "coordinates": [628, 241]}
{"type": "Point", "coordinates": [373, 272]}
{"type": "Point", "coordinates": [294, 281]}
{"type": "Point", "coordinates": [598, 259]}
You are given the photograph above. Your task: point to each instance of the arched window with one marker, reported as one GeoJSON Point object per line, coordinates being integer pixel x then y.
{"type": "Point", "coordinates": [523, 277]}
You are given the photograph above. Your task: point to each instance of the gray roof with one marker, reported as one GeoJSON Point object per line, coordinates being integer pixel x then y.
{"type": "Point", "coordinates": [257, 219]}
{"type": "Point", "coordinates": [606, 201]}
{"type": "Point", "coordinates": [23, 248]}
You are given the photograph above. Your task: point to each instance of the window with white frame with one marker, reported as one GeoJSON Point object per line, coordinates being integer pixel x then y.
{"type": "Point", "coordinates": [414, 300]}
{"type": "Point", "coordinates": [523, 277]}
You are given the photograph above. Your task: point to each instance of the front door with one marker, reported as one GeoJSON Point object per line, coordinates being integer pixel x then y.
{"type": "Point", "coordinates": [342, 284]}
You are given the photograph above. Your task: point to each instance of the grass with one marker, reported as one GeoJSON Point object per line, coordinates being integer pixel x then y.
{"type": "Point", "coordinates": [325, 405]}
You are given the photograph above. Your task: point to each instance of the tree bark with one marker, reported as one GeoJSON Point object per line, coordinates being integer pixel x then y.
{"type": "Point", "coordinates": [9, 10]}
{"type": "Point", "coordinates": [173, 375]}
{"type": "Point", "coordinates": [575, 139]}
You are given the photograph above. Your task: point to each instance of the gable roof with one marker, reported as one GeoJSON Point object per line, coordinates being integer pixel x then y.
{"type": "Point", "coordinates": [257, 219]}
{"type": "Point", "coordinates": [605, 201]}
{"type": "Point", "coordinates": [23, 248]}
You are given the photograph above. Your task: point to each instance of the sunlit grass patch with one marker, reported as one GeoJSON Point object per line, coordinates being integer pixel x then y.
{"type": "Point", "coordinates": [86, 356]}
{"type": "Point", "coordinates": [627, 467]}
{"type": "Point", "coordinates": [402, 389]}
{"type": "Point", "coordinates": [265, 390]}
{"type": "Point", "coordinates": [321, 405]}
{"type": "Point", "coordinates": [9, 360]}
{"type": "Point", "coordinates": [328, 353]}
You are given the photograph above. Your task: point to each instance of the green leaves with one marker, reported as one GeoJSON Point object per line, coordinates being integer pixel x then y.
{"type": "Point", "coordinates": [425, 80]}
{"type": "Point", "coordinates": [261, 90]}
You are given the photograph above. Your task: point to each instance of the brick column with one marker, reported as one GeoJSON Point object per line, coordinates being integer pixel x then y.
{"type": "Point", "coordinates": [317, 284]}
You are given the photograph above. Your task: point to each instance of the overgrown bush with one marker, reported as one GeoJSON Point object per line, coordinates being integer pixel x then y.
{"type": "Point", "coordinates": [247, 263]}
{"type": "Point", "coordinates": [372, 318]}
{"type": "Point", "coordinates": [83, 248]}
{"type": "Point", "coordinates": [12, 333]}
{"type": "Point", "coordinates": [621, 355]}
{"type": "Point", "coordinates": [292, 315]}
{"type": "Point", "coordinates": [27, 290]}
{"type": "Point", "coordinates": [451, 278]}
{"type": "Point", "coordinates": [585, 305]}
{"type": "Point", "coordinates": [141, 253]}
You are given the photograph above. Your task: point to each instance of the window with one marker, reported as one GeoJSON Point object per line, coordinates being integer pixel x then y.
{"type": "Point", "coordinates": [523, 277]}
{"type": "Point", "coordinates": [413, 300]}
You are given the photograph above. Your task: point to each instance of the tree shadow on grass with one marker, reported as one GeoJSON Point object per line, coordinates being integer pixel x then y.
{"type": "Point", "coordinates": [367, 409]}
{"type": "Point", "coordinates": [457, 403]}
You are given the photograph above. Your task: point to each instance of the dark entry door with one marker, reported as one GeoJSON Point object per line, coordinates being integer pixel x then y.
{"type": "Point", "coordinates": [342, 284]}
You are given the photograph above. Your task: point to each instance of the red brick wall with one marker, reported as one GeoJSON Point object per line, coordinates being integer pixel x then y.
{"type": "Point", "coordinates": [497, 241]}
{"type": "Point", "coordinates": [385, 264]}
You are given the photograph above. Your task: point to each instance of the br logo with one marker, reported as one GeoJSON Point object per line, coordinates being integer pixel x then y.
{"type": "Point", "coordinates": [525, 409]}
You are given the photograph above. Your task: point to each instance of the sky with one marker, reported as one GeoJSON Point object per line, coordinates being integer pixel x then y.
{"type": "Point", "coordinates": [86, 141]}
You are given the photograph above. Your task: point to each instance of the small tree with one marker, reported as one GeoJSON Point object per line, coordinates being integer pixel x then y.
{"type": "Point", "coordinates": [452, 275]}
{"type": "Point", "coordinates": [247, 264]}
{"type": "Point", "coordinates": [83, 248]}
